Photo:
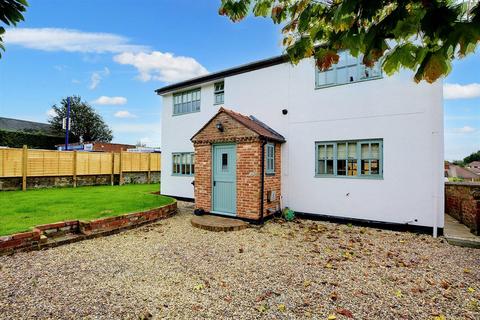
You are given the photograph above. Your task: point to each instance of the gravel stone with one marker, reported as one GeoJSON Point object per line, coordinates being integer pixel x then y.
{"type": "Point", "coordinates": [283, 270]}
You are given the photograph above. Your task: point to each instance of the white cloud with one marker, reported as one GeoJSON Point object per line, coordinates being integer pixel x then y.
{"type": "Point", "coordinates": [51, 113]}
{"type": "Point", "coordinates": [97, 76]}
{"type": "Point", "coordinates": [56, 39]}
{"type": "Point", "coordinates": [465, 129]}
{"type": "Point", "coordinates": [124, 114]}
{"type": "Point", "coordinates": [161, 66]}
{"type": "Point", "coordinates": [458, 91]}
{"type": "Point", "coordinates": [113, 101]}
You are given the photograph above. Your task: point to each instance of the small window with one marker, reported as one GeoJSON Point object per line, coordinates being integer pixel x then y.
{"type": "Point", "coordinates": [349, 158]}
{"type": "Point", "coordinates": [349, 69]}
{"type": "Point", "coordinates": [186, 102]}
{"type": "Point", "coordinates": [270, 158]}
{"type": "Point", "coordinates": [224, 161]}
{"type": "Point", "coordinates": [183, 163]}
{"type": "Point", "coordinates": [219, 92]}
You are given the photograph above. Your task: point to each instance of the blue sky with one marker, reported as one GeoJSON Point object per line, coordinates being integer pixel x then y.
{"type": "Point", "coordinates": [115, 53]}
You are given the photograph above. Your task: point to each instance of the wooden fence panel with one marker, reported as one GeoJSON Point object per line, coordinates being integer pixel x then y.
{"type": "Point", "coordinates": [42, 163]}
{"type": "Point", "coordinates": [82, 163]}
{"type": "Point", "coordinates": [65, 163]}
{"type": "Point", "coordinates": [116, 166]}
{"type": "Point", "coordinates": [50, 163]}
{"type": "Point", "coordinates": [155, 162]}
{"type": "Point", "coordinates": [35, 163]}
{"type": "Point", "coordinates": [12, 162]}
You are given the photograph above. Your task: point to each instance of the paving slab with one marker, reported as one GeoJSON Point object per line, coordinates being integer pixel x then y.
{"type": "Point", "coordinates": [216, 223]}
{"type": "Point", "coordinates": [458, 234]}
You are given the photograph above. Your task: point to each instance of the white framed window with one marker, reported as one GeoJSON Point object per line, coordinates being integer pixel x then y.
{"type": "Point", "coordinates": [186, 102]}
{"type": "Point", "coordinates": [219, 92]}
{"type": "Point", "coordinates": [348, 70]}
{"type": "Point", "coordinates": [183, 163]}
{"type": "Point", "coordinates": [270, 158]}
{"type": "Point", "coordinates": [350, 158]}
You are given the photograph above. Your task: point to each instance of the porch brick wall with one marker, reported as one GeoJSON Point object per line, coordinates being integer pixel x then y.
{"type": "Point", "coordinates": [203, 176]}
{"type": "Point", "coordinates": [248, 179]}
{"type": "Point", "coordinates": [273, 183]}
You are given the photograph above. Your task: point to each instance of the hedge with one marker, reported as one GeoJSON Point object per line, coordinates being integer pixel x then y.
{"type": "Point", "coordinates": [32, 140]}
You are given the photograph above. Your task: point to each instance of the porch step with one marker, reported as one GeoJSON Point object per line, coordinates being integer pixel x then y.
{"type": "Point", "coordinates": [215, 223]}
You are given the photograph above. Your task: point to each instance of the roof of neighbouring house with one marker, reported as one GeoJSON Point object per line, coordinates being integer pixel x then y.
{"type": "Point", "coordinates": [459, 172]}
{"type": "Point", "coordinates": [249, 122]}
{"type": "Point", "coordinates": [474, 166]}
{"type": "Point", "coordinates": [260, 64]}
{"type": "Point", "coordinates": [9, 124]}
{"type": "Point", "coordinates": [474, 163]}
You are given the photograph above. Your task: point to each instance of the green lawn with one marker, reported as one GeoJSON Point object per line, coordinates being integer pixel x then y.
{"type": "Point", "coordinates": [21, 210]}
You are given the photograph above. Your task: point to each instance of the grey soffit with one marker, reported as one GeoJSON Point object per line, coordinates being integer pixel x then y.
{"type": "Point", "coordinates": [224, 73]}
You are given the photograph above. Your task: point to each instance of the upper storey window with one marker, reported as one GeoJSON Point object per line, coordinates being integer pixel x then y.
{"type": "Point", "coordinates": [348, 69]}
{"type": "Point", "coordinates": [219, 92]}
{"type": "Point", "coordinates": [186, 102]}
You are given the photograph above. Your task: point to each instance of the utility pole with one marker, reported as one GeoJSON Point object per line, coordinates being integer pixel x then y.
{"type": "Point", "coordinates": [67, 124]}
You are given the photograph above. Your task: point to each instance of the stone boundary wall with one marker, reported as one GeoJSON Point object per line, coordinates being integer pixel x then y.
{"type": "Point", "coordinates": [15, 183]}
{"type": "Point", "coordinates": [462, 201]}
{"type": "Point", "coordinates": [43, 236]}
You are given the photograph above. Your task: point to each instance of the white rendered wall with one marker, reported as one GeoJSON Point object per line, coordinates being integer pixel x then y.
{"type": "Point", "coordinates": [407, 116]}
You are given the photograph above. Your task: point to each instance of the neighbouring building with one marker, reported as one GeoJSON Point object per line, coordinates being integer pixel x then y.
{"type": "Point", "coordinates": [474, 166]}
{"type": "Point", "coordinates": [348, 143]}
{"type": "Point", "coordinates": [145, 150]}
{"type": "Point", "coordinates": [96, 146]}
{"type": "Point", "coordinates": [453, 171]}
{"type": "Point", "coordinates": [15, 133]}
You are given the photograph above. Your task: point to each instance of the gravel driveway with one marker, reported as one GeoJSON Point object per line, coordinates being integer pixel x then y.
{"type": "Point", "coordinates": [301, 269]}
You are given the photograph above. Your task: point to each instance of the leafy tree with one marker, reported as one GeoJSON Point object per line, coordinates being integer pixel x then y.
{"type": "Point", "coordinates": [421, 35]}
{"type": "Point", "coordinates": [10, 14]}
{"type": "Point", "coordinates": [473, 157]}
{"type": "Point", "coordinates": [87, 124]}
{"type": "Point", "coordinates": [459, 163]}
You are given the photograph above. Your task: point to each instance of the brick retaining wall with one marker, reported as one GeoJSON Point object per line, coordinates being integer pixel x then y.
{"type": "Point", "coordinates": [39, 236]}
{"type": "Point", "coordinates": [462, 201]}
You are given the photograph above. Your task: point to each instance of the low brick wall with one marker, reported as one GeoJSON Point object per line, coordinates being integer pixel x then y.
{"type": "Point", "coordinates": [39, 237]}
{"type": "Point", "coordinates": [19, 241]}
{"type": "Point", "coordinates": [462, 201]}
{"type": "Point", "coordinates": [126, 221]}
{"type": "Point", "coordinates": [15, 183]}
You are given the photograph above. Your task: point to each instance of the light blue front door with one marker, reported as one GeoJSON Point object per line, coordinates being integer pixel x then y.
{"type": "Point", "coordinates": [224, 179]}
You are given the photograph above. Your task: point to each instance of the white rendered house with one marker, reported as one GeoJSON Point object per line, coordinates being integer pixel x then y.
{"type": "Point", "coordinates": [358, 144]}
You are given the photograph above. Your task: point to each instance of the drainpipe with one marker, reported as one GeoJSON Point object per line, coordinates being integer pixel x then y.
{"type": "Point", "coordinates": [262, 185]}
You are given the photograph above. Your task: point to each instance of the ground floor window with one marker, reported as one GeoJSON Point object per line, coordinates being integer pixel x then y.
{"type": "Point", "coordinates": [357, 158]}
{"type": "Point", "coordinates": [270, 158]}
{"type": "Point", "coordinates": [183, 163]}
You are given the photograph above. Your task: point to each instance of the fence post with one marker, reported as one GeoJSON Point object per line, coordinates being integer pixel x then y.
{"type": "Point", "coordinates": [149, 174]}
{"type": "Point", "coordinates": [120, 182]}
{"type": "Point", "coordinates": [112, 176]}
{"type": "Point", "coordinates": [24, 167]}
{"type": "Point", "coordinates": [75, 168]}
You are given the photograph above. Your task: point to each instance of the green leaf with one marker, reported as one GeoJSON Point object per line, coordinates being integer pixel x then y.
{"type": "Point", "coordinates": [262, 8]}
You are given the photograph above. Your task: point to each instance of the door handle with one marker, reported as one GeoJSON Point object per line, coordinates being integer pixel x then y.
{"type": "Point", "coordinates": [214, 183]}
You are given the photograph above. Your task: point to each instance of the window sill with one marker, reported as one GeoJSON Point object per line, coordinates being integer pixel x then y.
{"type": "Point", "coordinates": [348, 83]}
{"type": "Point", "coordinates": [269, 174]}
{"type": "Point", "coordinates": [183, 175]}
{"type": "Point", "coordinates": [184, 113]}
{"type": "Point", "coordinates": [219, 104]}
{"type": "Point", "coordinates": [349, 177]}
